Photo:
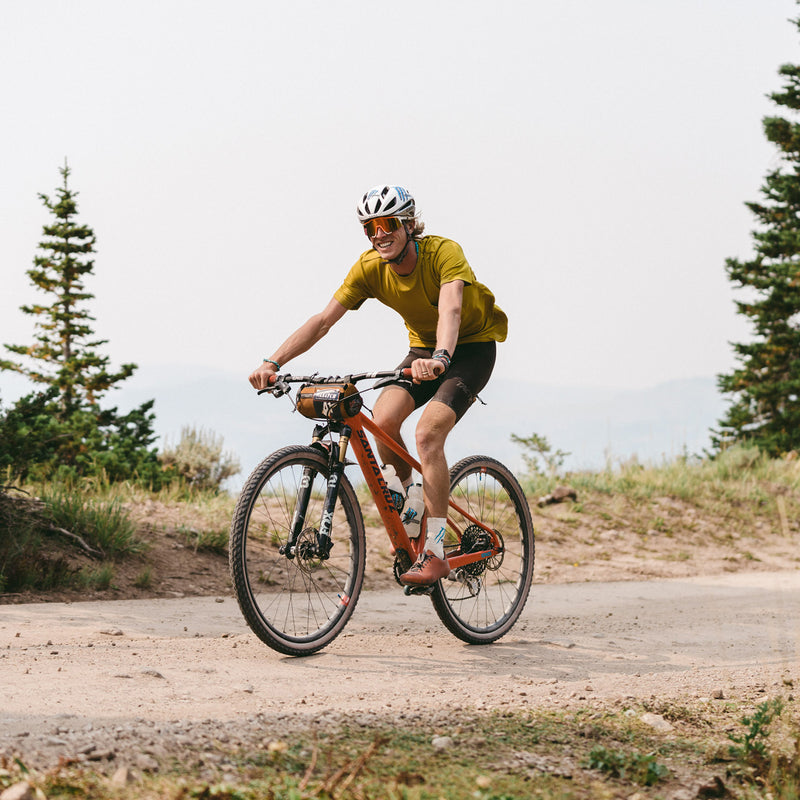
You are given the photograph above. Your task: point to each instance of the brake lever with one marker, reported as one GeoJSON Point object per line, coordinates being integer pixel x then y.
{"type": "Point", "coordinates": [397, 377]}
{"type": "Point", "coordinates": [279, 388]}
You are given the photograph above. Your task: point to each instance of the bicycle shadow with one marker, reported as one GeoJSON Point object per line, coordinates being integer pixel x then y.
{"type": "Point", "coordinates": [536, 659]}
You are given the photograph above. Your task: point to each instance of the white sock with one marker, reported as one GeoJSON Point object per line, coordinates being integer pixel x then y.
{"type": "Point", "coordinates": [434, 539]}
{"type": "Point", "coordinates": [412, 478]}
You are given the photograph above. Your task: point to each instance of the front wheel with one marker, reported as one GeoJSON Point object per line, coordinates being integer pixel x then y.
{"type": "Point", "coordinates": [296, 598]}
{"type": "Point", "coordinates": [480, 602]}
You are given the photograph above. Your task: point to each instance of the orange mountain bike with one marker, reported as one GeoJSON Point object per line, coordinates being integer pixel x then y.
{"type": "Point", "coordinates": [297, 543]}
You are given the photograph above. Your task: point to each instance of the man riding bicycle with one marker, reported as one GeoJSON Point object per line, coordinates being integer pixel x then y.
{"type": "Point", "coordinates": [453, 326]}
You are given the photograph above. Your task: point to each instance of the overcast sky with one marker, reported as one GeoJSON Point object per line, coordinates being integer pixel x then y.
{"type": "Point", "coordinates": [593, 160]}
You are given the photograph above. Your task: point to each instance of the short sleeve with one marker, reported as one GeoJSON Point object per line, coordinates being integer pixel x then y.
{"type": "Point", "coordinates": [354, 289]}
{"type": "Point", "coordinates": [452, 264]}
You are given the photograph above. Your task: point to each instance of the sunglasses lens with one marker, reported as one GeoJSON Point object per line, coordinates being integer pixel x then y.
{"type": "Point", "coordinates": [386, 224]}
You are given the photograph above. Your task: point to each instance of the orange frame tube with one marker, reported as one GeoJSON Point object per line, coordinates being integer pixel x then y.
{"type": "Point", "coordinates": [371, 469]}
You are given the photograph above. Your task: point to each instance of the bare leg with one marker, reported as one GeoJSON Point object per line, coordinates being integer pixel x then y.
{"type": "Point", "coordinates": [432, 430]}
{"type": "Point", "coordinates": [435, 424]}
{"type": "Point", "coordinates": [393, 407]}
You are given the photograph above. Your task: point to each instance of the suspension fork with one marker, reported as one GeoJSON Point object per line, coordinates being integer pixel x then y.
{"type": "Point", "coordinates": [336, 461]}
{"type": "Point", "coordinates": [335, 472]}
{"type": "Point", "coordinates": [300, 509]}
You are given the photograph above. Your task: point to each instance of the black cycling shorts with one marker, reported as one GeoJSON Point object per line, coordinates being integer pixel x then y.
{"type": "Point", "coordinates": [458, 387]}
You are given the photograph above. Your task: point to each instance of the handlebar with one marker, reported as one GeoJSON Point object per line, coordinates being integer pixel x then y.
{"type": "Point", "coordinates": [280, 384]}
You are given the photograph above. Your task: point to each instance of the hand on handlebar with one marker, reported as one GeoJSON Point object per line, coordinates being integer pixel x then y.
{"type": "Point", "coordinates": [263, 376]}
{"type": "Point", "coordinates": [266, 378]}
{"type": "Point", "coordinates": [426, 369]}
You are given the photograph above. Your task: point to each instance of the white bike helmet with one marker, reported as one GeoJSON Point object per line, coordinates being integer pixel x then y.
{"type": "Point", "coordinates": [386, 201]}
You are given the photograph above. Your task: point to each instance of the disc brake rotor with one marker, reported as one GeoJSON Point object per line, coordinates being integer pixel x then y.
{"type": "Point", "coordinates": [306, 551]}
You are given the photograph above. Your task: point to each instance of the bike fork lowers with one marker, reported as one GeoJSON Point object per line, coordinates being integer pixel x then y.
{"type": "Point", "coordinates": [324, 543]}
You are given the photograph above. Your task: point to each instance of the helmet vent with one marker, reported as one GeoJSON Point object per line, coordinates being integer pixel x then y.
{"type": "Point", "coordinates": [383, 201]}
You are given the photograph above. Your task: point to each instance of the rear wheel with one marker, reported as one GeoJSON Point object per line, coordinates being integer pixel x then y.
{"type": "Point", "coordinates": [296, 600]}
{"type": "Point", "coordinates": [480, 602]}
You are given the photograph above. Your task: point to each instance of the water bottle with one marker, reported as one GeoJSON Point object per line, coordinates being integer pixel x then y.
{"type": "Point", "coordinates": [395, 486]}
{"type": "Point", "coordinates": [415, 508]}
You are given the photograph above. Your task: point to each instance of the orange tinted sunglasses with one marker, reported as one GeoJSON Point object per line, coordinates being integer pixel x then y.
{"type": "Point", "coordinates": [386, 224]}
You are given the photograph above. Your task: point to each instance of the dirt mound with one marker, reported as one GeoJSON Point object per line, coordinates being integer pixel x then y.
{"type": "Point", "coordinates": [598, 537]}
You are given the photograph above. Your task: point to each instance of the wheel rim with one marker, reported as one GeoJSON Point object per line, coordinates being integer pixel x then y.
{"type": "Point", "coordinates": [303, 597]}
{"type": "Point", "coordinates": [484, 597]}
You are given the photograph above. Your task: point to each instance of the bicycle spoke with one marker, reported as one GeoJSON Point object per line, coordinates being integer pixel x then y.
{"type": "Point", "coordinates": [480, 602]}
{"type": "Point", "coordinates": [297, 602]}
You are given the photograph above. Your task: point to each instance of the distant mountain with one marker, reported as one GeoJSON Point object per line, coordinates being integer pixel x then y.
{"type": "Point", "coordinates": [600, 426]}
{"type": "Point", "coordinates": [596, 426]}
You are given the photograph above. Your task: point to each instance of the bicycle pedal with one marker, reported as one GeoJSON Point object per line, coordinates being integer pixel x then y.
{"type": "Point", "coordinates": [409, 590]}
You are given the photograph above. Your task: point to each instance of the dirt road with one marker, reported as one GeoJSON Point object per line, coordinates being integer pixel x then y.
{"type": "Point", "coordinates": [147, 674]}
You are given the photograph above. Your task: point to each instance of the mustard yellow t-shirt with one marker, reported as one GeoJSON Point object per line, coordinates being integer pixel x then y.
{"type": "Point", "coordinates": [416, 296]}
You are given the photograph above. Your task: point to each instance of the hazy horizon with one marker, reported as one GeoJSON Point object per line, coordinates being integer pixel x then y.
{"type": "Point", "coordinates": [593, 160]}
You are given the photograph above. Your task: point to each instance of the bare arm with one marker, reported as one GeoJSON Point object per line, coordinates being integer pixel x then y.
{"type": "Point", "coordinates": [304, 338]}
{"type": "Point", "coordinates": [451, 296]}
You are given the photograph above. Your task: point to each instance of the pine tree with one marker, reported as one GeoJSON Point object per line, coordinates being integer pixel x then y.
{"type": "Point", "coordinates": [64, 354]}
{"type": "Point", "coordinates": [62, 431]}
{"type": "Point", "coordinates": [765, 408]}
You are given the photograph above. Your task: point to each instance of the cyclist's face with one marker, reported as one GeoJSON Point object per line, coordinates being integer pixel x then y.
{"type": "Point", "coordinates": [388, 243]}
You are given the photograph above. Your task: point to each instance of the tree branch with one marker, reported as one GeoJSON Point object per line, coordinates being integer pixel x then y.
{"type": "Point", "coordinates": [74, 536]}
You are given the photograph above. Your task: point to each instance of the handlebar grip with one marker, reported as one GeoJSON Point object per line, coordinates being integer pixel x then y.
{"type": "Point", "coordinates": [283, 385]}
{"type": "Point", "coordinates": [272, 379]}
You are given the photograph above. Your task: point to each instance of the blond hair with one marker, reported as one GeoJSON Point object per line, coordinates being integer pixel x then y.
{"type": "Point", "coordinates": [417, 226]}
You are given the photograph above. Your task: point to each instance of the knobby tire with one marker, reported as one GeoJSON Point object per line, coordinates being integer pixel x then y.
{"type": "Point", "coordinates": [482, 603]}
{"type": "Point", "coordinates": [295, 605]}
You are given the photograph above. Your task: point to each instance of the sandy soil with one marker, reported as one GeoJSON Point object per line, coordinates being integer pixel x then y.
{"type": "Point", "coordinates": [621, 612]}
{"type": "Point", "coordinates": [134, 680]}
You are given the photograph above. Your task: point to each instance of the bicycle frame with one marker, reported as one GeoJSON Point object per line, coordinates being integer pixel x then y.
{"type": "Point", "coordinates": [354, 431]}
{"type": "Point", "coordinates": [297, 591]}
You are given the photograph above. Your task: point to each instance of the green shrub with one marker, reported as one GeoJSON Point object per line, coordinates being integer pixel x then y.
{"type": "Point", "coordinates": [105, 525]}
{"type": "Point", "coordinates": [538, 454]}
{"type": "Point", "coordinates": [198, 459]}
{"type": "Point", "coordinates": [22, 565]}
{"type": "Point", "coordinates": [28, 434]}
{"type": "Point", "coordinates": [752, 745]}
{"type": "Point", "coordinates": [641, 769]}
{"type": "Point", "coordinates": [144, 580]}
{"type": "Point", "coordinates": [38, 442]}
{"type": "Point", "coordinates": [213, 541]}
{"type": "Point", "coordinates": [97, 578]}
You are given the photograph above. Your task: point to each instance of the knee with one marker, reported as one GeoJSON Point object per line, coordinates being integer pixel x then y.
{"type": "Point", "coordinates": [391, 410]}
{"type": "Point", "coordinates": [429, 440]}
{"type": "Point", "coordinates": [388, 422]}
